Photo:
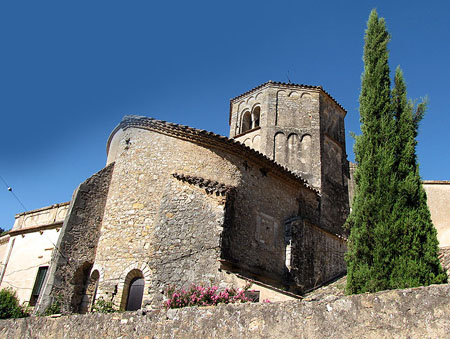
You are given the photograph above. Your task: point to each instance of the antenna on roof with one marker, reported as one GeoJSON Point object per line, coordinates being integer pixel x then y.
{"type": "Point", "coordinates": [287, 76]}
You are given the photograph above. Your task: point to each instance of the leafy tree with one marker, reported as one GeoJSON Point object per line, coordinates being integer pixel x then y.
{"type": "Point", "coordinates": [389, 217]}
{"type": "Point", "coordinates": [9, 305]}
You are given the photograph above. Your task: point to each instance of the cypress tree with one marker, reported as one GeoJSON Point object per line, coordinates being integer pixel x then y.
{"type": "Point", "coordinates": [368, 251]}
{"type": "Point", "coordinates": [387, 234]}
{"type": "Point", "coordinates": [416, 260]}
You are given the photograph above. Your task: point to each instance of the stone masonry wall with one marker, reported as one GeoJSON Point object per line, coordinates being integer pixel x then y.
{"type": "Point", "coordinates": [187, 236]}
{"type": "Point", "coordinates": [171, 230]}
{"type": "Point", "coordinates": [155, 223]}
{"type": "Point", "coordinates": [290, 127]}
{"type": "Point", "coordinates": [256, 232]}
{"type": "Point", "coordinates": [302, 128]}
{"type": "Point", "coordinates": [334, 167]}
{"type": "Point", "coordinates": [412, 313]}
{"type": "Point", "coordinates": [77, 244]}
{"type": "Point", "coordinates": [318, 256]}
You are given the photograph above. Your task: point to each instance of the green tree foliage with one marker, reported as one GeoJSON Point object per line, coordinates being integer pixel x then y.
{"type": "Point", "coordinates": [414, 239]}
{"type": "Point", "coordinates": [9, 305]}
{"type": "Point", "coordinates": [390, 223]}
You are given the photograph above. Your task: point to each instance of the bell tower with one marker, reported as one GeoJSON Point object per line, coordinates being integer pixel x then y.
{"type": "Point", "coordinates": [301, 127]}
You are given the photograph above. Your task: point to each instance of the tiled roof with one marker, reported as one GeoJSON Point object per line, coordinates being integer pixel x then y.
{"type": "Point", "coordinates": [284, 84]}
{"type": "Point", "coordinates": [204, 137]}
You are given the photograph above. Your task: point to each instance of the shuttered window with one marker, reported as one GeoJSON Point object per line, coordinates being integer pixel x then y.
{"type": "Point", "coordinates": [42, 272]}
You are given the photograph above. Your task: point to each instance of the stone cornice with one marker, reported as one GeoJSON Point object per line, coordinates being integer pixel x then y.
{"type": "Point", "coordinates": [33, 229]}
{"type": "Point", "coordinates": [42, 209]}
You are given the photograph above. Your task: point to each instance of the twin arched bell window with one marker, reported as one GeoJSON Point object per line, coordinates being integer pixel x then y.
{"type": "Point", "coordinates": [250, 120]}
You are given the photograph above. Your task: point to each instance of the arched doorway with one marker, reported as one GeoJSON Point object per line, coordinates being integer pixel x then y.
{"type": "Point", "coordinates": [79, 282]}
{"type": "Point", "coordinates": [135, 294]}
{"type": "Point", "coordinates": [133, 291]}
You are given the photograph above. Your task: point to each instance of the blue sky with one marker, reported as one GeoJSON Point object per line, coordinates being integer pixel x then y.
{"type": "Point", "coordinates": [69, 71]}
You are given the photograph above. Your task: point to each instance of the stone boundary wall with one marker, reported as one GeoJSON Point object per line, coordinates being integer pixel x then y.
{"type": "Point", "coordinates": [422, 312]}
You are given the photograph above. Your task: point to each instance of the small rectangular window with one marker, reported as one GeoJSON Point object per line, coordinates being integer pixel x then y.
{"type": "Point", "coordinates": [42, 272]}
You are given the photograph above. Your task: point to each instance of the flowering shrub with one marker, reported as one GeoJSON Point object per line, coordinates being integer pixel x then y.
{"type": "Point", "coordinates": [203, 296]}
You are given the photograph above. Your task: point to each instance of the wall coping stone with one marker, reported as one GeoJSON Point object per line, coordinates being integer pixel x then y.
{"type": "Point", "coordinates": [413, 312]}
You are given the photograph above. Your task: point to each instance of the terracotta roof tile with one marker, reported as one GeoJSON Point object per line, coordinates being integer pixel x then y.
{"type": "Point", "coordinates": [284, 84]}
{"type": "Point", "coordinates": [207, 138]}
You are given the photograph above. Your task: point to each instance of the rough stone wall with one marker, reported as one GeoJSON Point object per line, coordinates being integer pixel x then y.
{"type": "Point", "coordinates": [351, 183]}
{"type": "Point", "coordinates": [334, 167]}
{"type": "Point", "coordinates": [412, 313]}
{"type": "Point", "coordinates": [174, 232]}
{"type": "Point", "coordinates": [251, 139]}
{"type": "Point", "coordinates": [444, 258]}
{"type": "Point", "coordinates": [76, 246]}
{"type": "Point", "coordinates": [254, 239]}
{"type": "Point", "coordinates": [289, 131]}
{"type": "Point", "coordinates": [187, 236]}
{"type": "Point", "coordinates": [318, 256]}
{"type": "Point", "coordinates": [155, 223]}
{"type": "Point", "coordinates": [302, 128]}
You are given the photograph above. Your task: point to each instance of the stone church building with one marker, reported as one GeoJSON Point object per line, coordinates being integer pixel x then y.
{"type": "Point", "coordinates": [176, 205]}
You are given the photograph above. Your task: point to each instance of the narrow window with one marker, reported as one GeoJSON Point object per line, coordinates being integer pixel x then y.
{"type": "Point", "coordinates": [246, 122]}
{"type": "Point", "coordinates": [256, 116]}
{"type": "Point", "coordinates": [135, 294]}
{"type": "Point", "coordinates": [42, 272]}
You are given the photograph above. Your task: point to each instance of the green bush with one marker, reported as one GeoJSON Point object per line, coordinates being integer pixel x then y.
{"type": "Point", "coordinates": [103, 306]}
{"type": "Point", "coordinates": [55, 307]}
{"type": "Point", "coordinates": [9, 305]}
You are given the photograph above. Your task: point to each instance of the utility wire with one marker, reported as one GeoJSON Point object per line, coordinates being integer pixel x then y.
{"type": "Point", "coordinates": [11, 190]}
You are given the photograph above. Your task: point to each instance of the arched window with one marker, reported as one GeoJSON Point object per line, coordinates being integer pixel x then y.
{"type": "Point", "coordinates": [256, 116]}
{"type": "Point", "coordinates": [246, 122]}
{"type": "Point", "coordinates": [133, 291]}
